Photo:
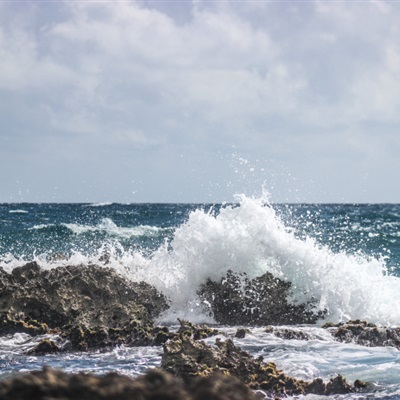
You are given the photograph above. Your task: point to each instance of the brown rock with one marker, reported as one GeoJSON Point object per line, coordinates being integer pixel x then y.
{"type": "Point", "coordinates": [49, 384]}
{"type": "Point", "coordinates": [90, 295]}
{"type": "Point", "coordinates": [46, 346]}
{"type": "Point", "coordinates": [221, 387]}
{"type": "Point", "coordinates": [187, 359]}
{"type": "Point", "coordinates": [365, 334]}
{"type": "Point", "coordinates": [238, 300]}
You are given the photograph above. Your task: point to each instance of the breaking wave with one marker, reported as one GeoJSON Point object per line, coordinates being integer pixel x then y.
{"type": "Point", "coordinates": [247, 236]}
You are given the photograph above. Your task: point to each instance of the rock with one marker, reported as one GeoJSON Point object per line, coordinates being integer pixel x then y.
{"type": "Point", "coordinates": [337, 385]}
{"type": "Point", "coordinates": [46, 346]}
{"type": "Point", "coordinates": [88, 295]}
{"type": "Point", "coordinates": [365, 334]}
{"type": "Point", "coordinates": [196, 331]}
{"type": "Point", "coordinates": [238, 300]}
{"type": "Point", "coordinates": [51, 384]}
{"type": "Point", "coordinates": [80, 337]}
{"type": "Point", "coordinates": [288, 334]}
{"type": "Point", "coordinates": [221, 387]}
{"type": "Point", "coordinates": [134, 333]}
{"type": "Point", "coordinates": [155, 384]}
{"type": "Point", "coordinates": [32, 327]}
{"type": "Point", "coordinates": [241, 333]}
{"type": "Point", "coordinates": [188, 359]}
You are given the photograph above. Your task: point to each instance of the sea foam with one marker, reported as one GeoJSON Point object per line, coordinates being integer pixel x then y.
{"type": "Point", "coordinates": [249, 237]}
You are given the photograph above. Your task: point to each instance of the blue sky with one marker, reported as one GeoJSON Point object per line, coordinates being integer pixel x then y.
{"type": "Point", "coordinates": [194, 101]}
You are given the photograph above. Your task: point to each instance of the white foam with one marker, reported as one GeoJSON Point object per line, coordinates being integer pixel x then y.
{"type": "Point", "coordinates": [250, 238]}
{"type": "Point", "coordinates": [40, 226]}
{"type": "Point", "coordinates": [106, 203]}
{"type": "Point", "coordinates": [109, 226]}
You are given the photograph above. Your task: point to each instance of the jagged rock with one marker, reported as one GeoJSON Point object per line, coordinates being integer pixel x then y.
{"type": "Point", "coordinates": [187, 359]}
{"type": "Point", "coordinates": [9, 325]}
{"type": "Point", "coordinates": [46, 346]}
{"type": "Point", "coordinates": [89, 295]}
{"type": "Point", "coordinates": [196, 331]}
{"type": "Point", "coordinates": [80, 337]}
{"type": "Point", "coordinates": [288, 334]}
{"type": "Point", "coordinates": [238, 300]}
{"type": "Point", "coordinates": [155, 384]}
{"type": "Point", "coordinates": [365, 334]}
{"type": "Point", "coordinates": [134, 333]}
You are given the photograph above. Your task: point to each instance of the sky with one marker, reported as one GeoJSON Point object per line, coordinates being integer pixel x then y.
{"type": "Point", "coordinates": [196, 101]}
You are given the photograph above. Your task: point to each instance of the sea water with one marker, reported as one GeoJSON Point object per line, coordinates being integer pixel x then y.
{"type": "Point", "coordinates": [343, 257]}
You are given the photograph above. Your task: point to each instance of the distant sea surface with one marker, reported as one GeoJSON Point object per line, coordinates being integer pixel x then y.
{"type": "Point", "coordinates": [344, 257]}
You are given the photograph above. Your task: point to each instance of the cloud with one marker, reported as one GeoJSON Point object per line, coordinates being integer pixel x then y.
{"type": "Point", "coordinates": [132, 82]}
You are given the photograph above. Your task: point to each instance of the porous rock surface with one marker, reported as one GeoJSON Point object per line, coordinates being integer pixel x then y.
{"type": "Point", "coordinates": [90, 294]}
{"type": "Point", "coordinates": [238, 300]}
{"type": "Point", "coordinates": [365, 333]}
{"type": "Point", "coordinates": [188, 358]}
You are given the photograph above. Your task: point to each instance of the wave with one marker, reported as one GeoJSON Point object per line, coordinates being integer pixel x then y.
{"type": "Point", "coordinates": [249, 237]}
{"type": "Point", "coordinates": [106, 203]}
{"type": "Point", "coordinates": [107, 225]}
{"type": "Point", "coordinates": [18, 212]}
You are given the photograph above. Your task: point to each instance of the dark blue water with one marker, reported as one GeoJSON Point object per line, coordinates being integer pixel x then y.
{"type": "Point", "coordinates": [27, 230]}
{"type": "Point", "coordinates": [370, 229]}
{"type": "Point", "coordinates": [54, 230]}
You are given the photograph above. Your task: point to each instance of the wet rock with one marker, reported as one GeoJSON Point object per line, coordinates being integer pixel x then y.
{"type": "Point", "coordinates": [241, 333]}
{"type": "Point", "coordinates": [187, 359]}
{"type": "Point", "coordinates": [46, 346]}
{"type": "Point", "coordinates": [89, 295]}
{"type": "Point", "coordinates": [155, 384]}
{"type": "Point", "coordinates": [9, 326]}
{"type": "Point", "coordinates": [83, 338]}
{"type": "Point", "coordinates": [196, 331]}
{"type": "Point", "coordinates": [238, 300]}
{"type": "Point", "coordinates": [288, 334]}
{"type": "Point", "coordinates": [365, 334]}
{"type": "Point", "coordinates": [337, 385]}
{"type": "Point", "coordinates": [134, 333]}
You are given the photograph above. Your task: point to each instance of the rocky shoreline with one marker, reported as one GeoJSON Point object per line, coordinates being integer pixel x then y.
{"type": "Point", "coordinates": [91, 307]}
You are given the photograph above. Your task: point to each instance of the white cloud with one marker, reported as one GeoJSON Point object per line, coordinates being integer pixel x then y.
{"type": "Point", "coordinates": [292, 81]}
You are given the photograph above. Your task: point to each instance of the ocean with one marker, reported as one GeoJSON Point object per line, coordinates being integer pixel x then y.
{"type": "Point", "coordinates": [343, 257]}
